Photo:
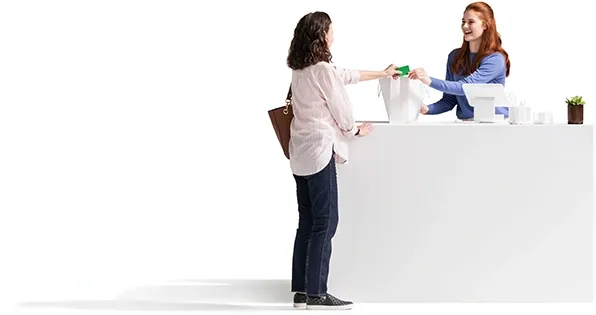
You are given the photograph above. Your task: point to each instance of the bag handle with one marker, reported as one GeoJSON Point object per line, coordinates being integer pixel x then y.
{"type": "Point", "coordinates": [288, 100]}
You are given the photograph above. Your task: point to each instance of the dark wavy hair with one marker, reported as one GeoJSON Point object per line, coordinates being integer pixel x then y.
{"type": "Point", "coordinates": [309, 45]}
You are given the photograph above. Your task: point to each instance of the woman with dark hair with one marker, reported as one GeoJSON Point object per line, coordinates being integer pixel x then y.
{"type": "Point", "coordinates": [480, 59]}
{"type": "Point", "coordinates": [323, 124]}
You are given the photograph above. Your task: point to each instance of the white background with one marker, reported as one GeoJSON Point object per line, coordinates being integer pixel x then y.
{"type": "Point", "coordinates": [136, 154]}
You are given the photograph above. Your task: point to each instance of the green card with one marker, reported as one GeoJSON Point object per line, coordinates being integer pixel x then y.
{"type": "Point", "coordinates": [404, 70]}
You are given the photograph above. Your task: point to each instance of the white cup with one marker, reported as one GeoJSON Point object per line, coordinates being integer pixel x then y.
{"type": "Point", "coordinates": [520, 115]}
{"type": "Point", "coordinates": [543, 118]}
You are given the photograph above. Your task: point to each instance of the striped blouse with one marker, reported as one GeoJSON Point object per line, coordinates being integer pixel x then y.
{"type": "Point", "coordinates": [323, 118]}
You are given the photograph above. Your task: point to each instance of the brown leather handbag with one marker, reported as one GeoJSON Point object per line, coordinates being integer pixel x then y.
{"type": "Point", "coordinates": [281, 118]}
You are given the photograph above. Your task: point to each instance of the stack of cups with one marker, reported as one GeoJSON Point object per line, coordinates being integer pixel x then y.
{"type": "Point", "coordinates": [543, 118]}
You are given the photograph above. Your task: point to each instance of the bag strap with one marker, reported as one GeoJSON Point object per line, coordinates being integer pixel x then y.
{"type": "Point", "coordinates": [286, 110]}
{"type": "Point", "coordinates": [289, 97]}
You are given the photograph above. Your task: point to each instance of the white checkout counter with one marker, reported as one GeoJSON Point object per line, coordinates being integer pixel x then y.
{"type": "Point", "coordinates": [466, 212]}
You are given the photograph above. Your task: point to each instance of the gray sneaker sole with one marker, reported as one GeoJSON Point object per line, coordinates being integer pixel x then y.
{"type": "Point", "coordinates": [329, 307]}
{"type": "Point", "coordinates": [299, 305]}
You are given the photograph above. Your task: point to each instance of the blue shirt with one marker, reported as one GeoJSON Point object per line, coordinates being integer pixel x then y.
{"type": "Point", "coordinates": [492, 69]}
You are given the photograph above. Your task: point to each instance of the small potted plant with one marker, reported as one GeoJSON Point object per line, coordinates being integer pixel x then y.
{"type": "Point", "coordinates": [575, 110]}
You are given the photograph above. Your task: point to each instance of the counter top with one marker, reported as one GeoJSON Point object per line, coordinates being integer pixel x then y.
{"type": "Point", "coordinates": [470, 123]}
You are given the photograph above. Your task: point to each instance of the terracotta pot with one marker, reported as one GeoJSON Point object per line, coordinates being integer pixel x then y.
{"type": "Point", "coordinates": [575, 114]}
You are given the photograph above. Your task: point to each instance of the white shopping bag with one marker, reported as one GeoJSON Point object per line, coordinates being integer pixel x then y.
{"type": "Point", "coordinates": [403, 98]}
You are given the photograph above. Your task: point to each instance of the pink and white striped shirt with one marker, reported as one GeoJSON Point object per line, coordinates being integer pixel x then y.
{"type": "Point", "coordinates": [323, 118]}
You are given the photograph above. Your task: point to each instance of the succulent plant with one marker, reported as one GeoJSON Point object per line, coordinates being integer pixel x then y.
{"type": "Point", "coordinates": [575, 101]}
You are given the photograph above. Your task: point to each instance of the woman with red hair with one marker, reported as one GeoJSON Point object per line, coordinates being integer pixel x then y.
{"type": "Point", "coordinates": [480, 59]}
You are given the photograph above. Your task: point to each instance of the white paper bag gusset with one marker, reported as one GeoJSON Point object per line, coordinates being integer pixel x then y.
{"type": "Point", "coordinates": [403, 98]}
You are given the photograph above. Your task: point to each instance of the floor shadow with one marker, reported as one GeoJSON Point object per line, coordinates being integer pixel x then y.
{"type": "Point", "coordinates": [123, 305]}
{"type": "Point", "coordinates": [190, 295]}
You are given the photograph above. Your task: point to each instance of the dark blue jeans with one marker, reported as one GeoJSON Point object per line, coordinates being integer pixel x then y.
{"type": "Point", "coordinates": [318, 219]}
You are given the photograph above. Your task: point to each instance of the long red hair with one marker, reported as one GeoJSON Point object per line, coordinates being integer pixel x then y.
{"type": "Point", "coordinates": [489, 43]}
